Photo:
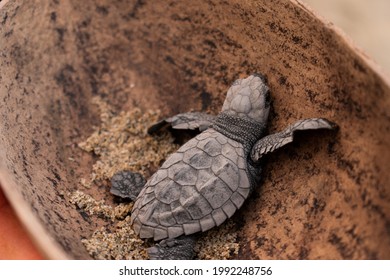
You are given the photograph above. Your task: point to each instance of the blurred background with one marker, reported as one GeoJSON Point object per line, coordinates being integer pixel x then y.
{"type": "Point", "coordinates": [366, 22]}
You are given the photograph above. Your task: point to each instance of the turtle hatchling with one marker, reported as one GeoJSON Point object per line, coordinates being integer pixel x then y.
{"type": "Point", "coordinates": [208, 179]}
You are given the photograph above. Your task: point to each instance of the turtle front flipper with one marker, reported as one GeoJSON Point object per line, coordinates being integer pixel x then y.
{"type": "Point", "coordinates": [127, 184]}
{"type": "Point", "coordinates": [273, 142]}
{"type": "Point", "coordinates": [181, 248]}
{"type": "Point", "coordinates": [192, 121]}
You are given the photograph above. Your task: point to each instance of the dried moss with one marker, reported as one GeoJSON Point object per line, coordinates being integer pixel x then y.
{"type": "Point", "coordinates": [90, 205]}
{"type": "Point", "coordinates": [121, 142]}
{"type": "Point", "coordinates": [100, 208]}
{"type": "Point", "coordinates": [120, 244]}
{"type": "Point", "coordinates": [218, 243]}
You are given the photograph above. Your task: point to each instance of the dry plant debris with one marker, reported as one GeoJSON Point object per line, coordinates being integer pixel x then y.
{"type": "Point", "coordinates": [219, 243]}
{"type": "Point", "coordinates": [121, 244]}
{"type": "Point", "coordinates": [99, 208]}
{"type": "Point", "coordinates": [121, 142]}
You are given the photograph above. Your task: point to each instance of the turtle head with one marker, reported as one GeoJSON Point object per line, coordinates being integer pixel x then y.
{"type": "Point", "coordinates": [248, 98]}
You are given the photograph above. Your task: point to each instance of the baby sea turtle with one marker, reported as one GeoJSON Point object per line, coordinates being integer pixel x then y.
{"type": "Point", "coordinates": [209, 177]}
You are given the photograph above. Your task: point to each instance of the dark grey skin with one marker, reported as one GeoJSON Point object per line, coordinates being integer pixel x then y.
{"type": "Point", "coordinates": [208, 179]}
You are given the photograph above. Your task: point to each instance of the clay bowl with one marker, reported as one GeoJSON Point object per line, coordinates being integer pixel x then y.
{"type": "Point", "coordinates": [325, 197]}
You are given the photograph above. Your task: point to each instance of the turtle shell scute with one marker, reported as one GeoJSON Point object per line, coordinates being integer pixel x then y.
{"type": "Point", "coordinates": [196, 189]}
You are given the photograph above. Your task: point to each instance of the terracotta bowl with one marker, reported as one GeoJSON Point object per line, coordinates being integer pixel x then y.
{"type": "Point", "coordinates": [325, 197]}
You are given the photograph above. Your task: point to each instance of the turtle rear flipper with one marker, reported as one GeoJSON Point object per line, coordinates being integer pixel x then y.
{"type": "Point", "coordinates": [181, 248]}
{"type": "Point", "coordinates": [191, 121]}
{"type": "Point", "coordinates": [273, 142]}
